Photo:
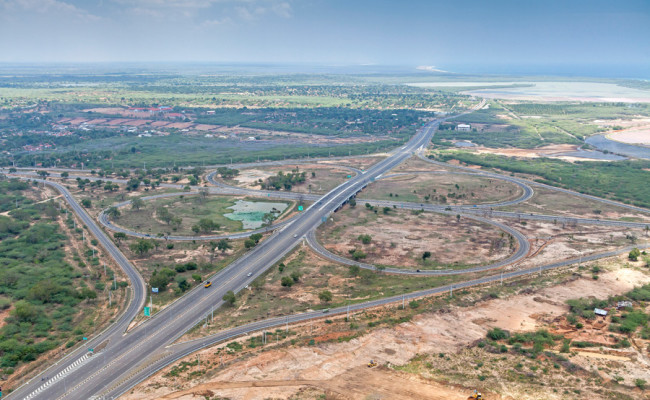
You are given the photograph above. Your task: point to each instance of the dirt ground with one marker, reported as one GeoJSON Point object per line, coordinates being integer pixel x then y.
{"type": "Point", "coordinates": [547, 201]}
{"type": "Point", "coordinates": [432, 188]}
{"type": "Point", "coordinates": [401, 237]}
{"type": "Point", "coordinates": [550, 151]}
{"type": "Point", "coordinates": [326, 177]}
{"type": "Point", "coordinates": [337, 370]}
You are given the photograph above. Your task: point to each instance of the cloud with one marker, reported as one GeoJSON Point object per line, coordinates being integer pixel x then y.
{"type": "Point", "coordinates": [283, 9]}
{"type": "Point", "coordinates": [47, 7]}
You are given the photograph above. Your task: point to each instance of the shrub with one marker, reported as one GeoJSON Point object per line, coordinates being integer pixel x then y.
{"type": "Point", "coordinates": [497, 334]}
{"type": "Point", "coordinates": [286, 281]}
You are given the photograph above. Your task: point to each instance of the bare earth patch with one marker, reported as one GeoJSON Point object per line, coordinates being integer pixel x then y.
{"type": "Point", "coordinates": [338, 369]}
{"type": "Point", "coordinates": [400, 238]}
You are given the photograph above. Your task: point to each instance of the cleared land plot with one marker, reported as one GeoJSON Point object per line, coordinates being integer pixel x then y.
{"type": "Point", "coordinates": [400, 238]}
{"type": "Point", "coordinates": [319, 178]}
{"type": "Point", "coordinates": [442, 189]}
{"type": "Point", "coordinates": [551, 242]}
{"type": "Point", "coordinates": [440, 345]}
{"type": "Point", "coordinates": [416, 164]}
{"type": "Point", "coordinates": [548, 201]}
{"type": "Point", "coordinates": [191, 209]}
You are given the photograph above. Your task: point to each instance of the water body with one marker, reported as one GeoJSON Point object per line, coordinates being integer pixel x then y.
{"type": "Point", "coordinates": [464, 143]}
{"type": "Point", "coordinates": [602, 143]}
{"type": "Point", "coordinates": [251, 213]}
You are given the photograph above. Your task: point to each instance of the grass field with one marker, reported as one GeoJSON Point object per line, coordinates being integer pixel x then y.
{"type": "Point", "coordinates": [190, 209]}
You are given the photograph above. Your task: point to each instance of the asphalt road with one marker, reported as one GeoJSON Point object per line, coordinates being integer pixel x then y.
{"type": "Point", "coordinates": [106, 372]}
{"type": "Point", "coordinates": [128, 358]}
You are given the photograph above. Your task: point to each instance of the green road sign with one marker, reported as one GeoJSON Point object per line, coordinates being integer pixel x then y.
{"type": "Point", "coordinates": [299, 208]}
{"type": "Point", "coordinates": [349, 176]}
{"type": "Point", "coordinates": [91, 350]}
{"type": "Point", "coordinates": [85, 338]}
{"type": "Point", "coordinates": [147, 311]}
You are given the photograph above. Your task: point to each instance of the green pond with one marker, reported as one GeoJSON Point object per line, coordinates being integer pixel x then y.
{"type": "Point", "coordinates": [251, 213]}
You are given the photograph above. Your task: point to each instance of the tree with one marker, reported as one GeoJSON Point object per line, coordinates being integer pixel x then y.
{"type": "Point", "coordinates": [286, 281]}
{"type": "Point", "coordinates": [113, 212]}
{"type": "Point", "coordinates": [249, 243]}
{"type": "Point", "coordinates": [137, 203]}
{"type": "Point", "coordinates": [325, 296]}
{"type": "Point", "coordinates": [634, 254]}
{"type": "Point", "coordinates": [207, 225]}
{"type": "Point", "coordinates": [457, 217]}
{"type": "Point", "coordinates": [63, 174]}
{"type": "Point", "coordinates": [133, 184]}
{"type": "Point", "coordinates": [365, 239]}
{"type": "Point", "coordinates": [224, 245]}
{"type": "Point", "coordinates": [353, 202]}
{"type": "Point", "coordinates": [256, 237]}
{"type": "Point", "coordinates": [426, 254]}
{"type": "Point", "coordinates": [119, 236]}
{"type": "Point", "coordinates": [295, 275]}
{"type": "Point", "coordinates": [43, 174]}
{"type": "Point", "coordinates": [229, 297]}
{"type": "Point", "coordinates": [268, 218]}
{"type": "Point", "coordinates": [141, 246]}
{"type": "Point", "coordinates": [354, 270]}
{"type": "Point", "coordinates": [358, 255]}
{"type": "Point", "coordinates": [86, 203]}
{"type": "Point", "coordinates": [203, 194]}
{"type": "Point", "coordinates": [164, 215]}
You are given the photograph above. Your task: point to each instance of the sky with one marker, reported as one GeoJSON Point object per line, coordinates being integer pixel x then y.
{"type": "Point", "coordinates": [449, 35]}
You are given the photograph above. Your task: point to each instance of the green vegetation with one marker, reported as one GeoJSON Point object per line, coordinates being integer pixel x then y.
{"type": "Point", "coordinates": [623, 181]}
{"type": "Point", "coordinates": [183, 215]}
{"type": "Point", "coordinates": [284, 181]}
{"type": "Point", "coordinates": [41, 287]}
{"type": "Point", "coordinates": [530, 125]}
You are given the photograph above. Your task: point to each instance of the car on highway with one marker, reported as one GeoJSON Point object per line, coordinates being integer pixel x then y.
{"type": "Point", "coordinates": [295, 235]}
{"type": "Point", "coordinates": [249, 274]}
{"type": "Point", "coordinates": [207, 284]}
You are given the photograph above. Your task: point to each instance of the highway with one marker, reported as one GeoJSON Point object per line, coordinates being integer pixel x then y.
{"type": "Point", "coordinates": [128, 358]}
{"type": "Point", "coordinates": [123, 354]}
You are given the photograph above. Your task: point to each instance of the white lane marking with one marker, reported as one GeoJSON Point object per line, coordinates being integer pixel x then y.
{"type": "Point", "coordinates": [75, 365]}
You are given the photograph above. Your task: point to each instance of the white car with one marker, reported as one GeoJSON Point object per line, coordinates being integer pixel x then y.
{"type": "Point", "coordinates": [249, 274]}
{"type": "Point", "coordinates": [295, 235]}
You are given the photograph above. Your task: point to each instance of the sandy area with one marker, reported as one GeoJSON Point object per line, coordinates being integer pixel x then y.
{"type": "Point", "coordinates": [551, 151]}
{"type": "Point", "coordinates": [567, 91]}
{"type": "Point", "coordinates": [340, 368]}
{"type": "Point", "coordinates": [639, 136]}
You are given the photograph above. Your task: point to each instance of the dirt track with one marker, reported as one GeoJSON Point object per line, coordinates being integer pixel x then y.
{"type": "Point", "coordinates": [353, 384]}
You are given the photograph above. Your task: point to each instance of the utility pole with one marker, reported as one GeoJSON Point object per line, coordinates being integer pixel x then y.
{"type": "Point", "coordinates": [451, 290]}
{"type": "Point", "coordinates": [501, 278]}
{"type": "Point", "coordinates": [287, 324]}
{"type": "Point", "coordinates": [403, 305]}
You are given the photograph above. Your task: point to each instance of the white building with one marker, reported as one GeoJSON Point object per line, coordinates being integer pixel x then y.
{"type": "Point", "coordinates": [463, 127]}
